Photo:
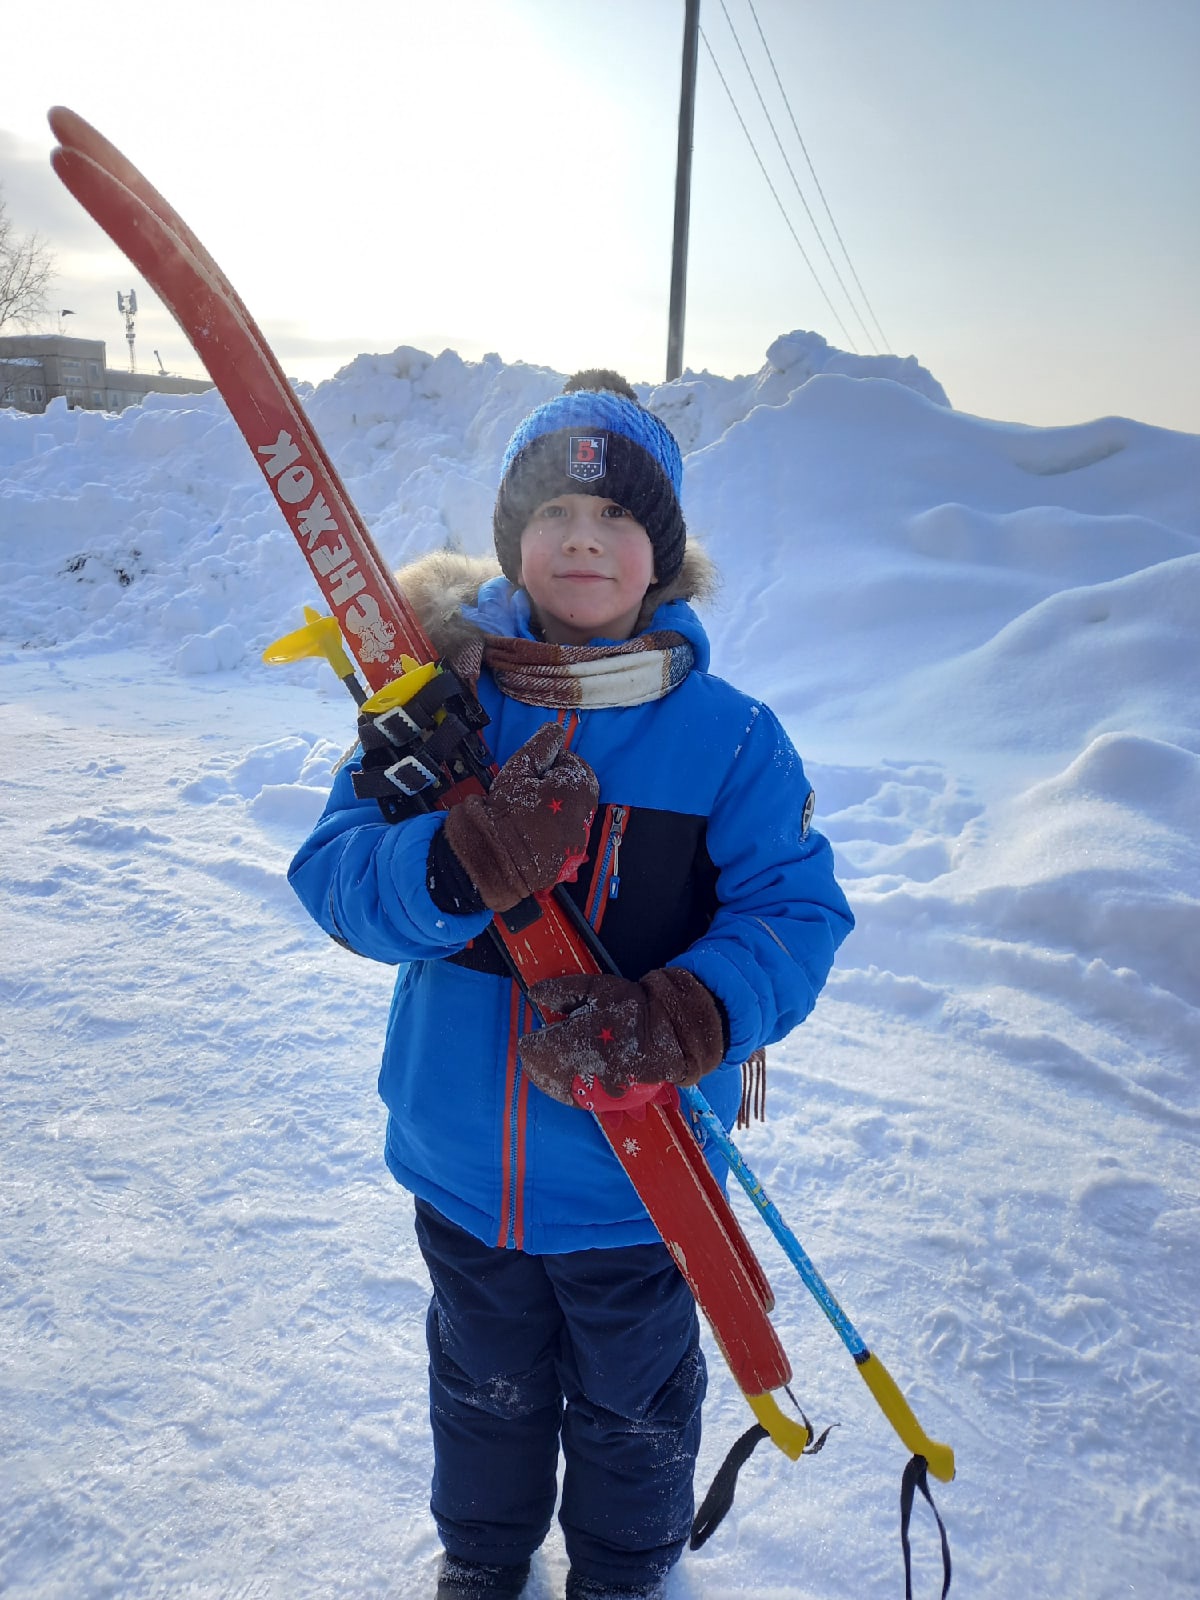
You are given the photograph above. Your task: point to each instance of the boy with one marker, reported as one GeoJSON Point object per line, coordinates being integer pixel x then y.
{"type": "Point", "coordinates": [558, 1318]}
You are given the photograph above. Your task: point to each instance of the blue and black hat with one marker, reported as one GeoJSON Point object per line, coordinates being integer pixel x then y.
{"type": "Point", "coordinates": [594, 438]}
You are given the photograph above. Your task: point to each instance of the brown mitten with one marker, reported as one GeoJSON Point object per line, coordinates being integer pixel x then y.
{"type": "Point", "coordinates": [666, 1029]}
{"type": "Point", "coordinates": [531, 828]}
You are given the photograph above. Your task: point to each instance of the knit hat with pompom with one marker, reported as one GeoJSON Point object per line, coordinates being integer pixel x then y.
{"type": "Point", "coordinates": [594, 438]}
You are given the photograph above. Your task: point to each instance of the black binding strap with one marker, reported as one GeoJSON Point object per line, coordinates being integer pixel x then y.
{"type": "Point", "coordinates": [414, 752]}
{"type": "Point", "coordinates": [916, 1477]}
{"type": "Point", "coordinates": [719, 1498]}
{"type": "Point", "coordinates": [720, 1495]}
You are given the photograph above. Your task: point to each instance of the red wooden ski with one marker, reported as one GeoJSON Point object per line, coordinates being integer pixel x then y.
{"type": "Point", "coordinates": [654, 1144]}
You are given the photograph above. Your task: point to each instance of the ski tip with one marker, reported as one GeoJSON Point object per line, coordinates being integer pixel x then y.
{"type": "Point", "coordinates": [65, 163]}
{"type": "Point", "coordinates": [68, 127]}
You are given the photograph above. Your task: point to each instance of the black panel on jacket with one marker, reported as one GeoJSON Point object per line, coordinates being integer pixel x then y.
{"type": "Point", "coordinates": [667, 898]}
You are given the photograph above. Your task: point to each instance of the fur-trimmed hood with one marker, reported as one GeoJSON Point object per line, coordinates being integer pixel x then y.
{"type": "Point", "coordinates": [440, 584]}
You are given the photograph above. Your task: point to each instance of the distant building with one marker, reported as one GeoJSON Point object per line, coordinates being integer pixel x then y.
{"type": "Point", "coordinates": [36, 368]}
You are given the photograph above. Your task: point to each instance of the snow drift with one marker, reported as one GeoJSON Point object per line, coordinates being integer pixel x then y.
{"type": "Point", "coordinates": [982, 638]}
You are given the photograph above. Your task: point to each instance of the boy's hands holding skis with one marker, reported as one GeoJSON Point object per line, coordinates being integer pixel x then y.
{"type": "Point", "coordinates": [666, 1029]}
{"type": "Point", "coordinates": [527, 833]}
{"type": "Point", "coordinates": [530, 830]}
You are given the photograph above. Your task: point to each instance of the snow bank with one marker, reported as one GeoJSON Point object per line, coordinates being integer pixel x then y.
{"type": "Point", "coordinates": [982, 637]}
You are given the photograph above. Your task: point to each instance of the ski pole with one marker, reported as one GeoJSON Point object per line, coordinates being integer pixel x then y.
{"type": "Point", "coordinates": [320, 636]}
{"type": "Point", "coordinates": [875, 1375]}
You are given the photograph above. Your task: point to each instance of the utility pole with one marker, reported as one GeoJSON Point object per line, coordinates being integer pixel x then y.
{"type": "Point", "coordinates": [683, 188]}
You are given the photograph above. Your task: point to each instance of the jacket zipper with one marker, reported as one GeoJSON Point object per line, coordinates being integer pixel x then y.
{"type": "Point", "coordinates": [606, 880]}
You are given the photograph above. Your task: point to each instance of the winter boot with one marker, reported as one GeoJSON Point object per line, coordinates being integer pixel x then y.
{"type": "Point", "coordinates": [593, 1589]}
{"type": "Point", "coordinates": [473, 1580]}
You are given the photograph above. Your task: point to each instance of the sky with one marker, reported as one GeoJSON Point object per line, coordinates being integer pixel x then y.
{"type": "Point", "coordinates": [1016, 185]}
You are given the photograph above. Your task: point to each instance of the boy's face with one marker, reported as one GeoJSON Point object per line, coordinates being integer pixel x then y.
{"type": "Point", "coordinates": [586, 565]}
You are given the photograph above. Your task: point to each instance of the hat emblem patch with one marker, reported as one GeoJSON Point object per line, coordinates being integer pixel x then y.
{"type": "Point", "coordinates": [585, 456]}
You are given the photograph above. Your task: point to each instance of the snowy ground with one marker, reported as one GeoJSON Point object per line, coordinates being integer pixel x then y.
{"type": "Point", "coordinates": [983, 639]}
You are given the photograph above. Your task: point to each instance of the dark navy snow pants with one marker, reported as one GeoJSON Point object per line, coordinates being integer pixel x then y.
{"type": "Point", "coordinates": [597, 1348]}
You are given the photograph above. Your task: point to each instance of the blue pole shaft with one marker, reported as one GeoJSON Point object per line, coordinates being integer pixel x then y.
{"type": "Point", "coordinates": [940, 1457]}
{"type": "Point", "coordinates": [794, 1250]}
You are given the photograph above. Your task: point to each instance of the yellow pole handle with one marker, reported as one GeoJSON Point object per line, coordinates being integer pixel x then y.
{"type": "Point", "coordinates": [401, 690]}
{"type": "Point", "coordinates": [320, 636]}
{"type": "Point", "coordinates": [792, 1437]}
{"type": "Point", "coordinates": [900, 1414]}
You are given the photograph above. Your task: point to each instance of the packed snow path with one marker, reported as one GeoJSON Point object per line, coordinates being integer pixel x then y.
{"type": "Point", "coordinates": [212, 1308]}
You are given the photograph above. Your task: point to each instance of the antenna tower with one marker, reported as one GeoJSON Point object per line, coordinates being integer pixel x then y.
{"type": "Point", "coordinates": [127, 305]}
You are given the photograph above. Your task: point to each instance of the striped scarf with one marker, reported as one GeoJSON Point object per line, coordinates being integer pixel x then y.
{"type": "Point", "coordinates": [581, 677]}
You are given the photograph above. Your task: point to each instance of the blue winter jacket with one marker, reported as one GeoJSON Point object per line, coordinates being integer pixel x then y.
{"type": "Point", "coordinates": [701, 858]}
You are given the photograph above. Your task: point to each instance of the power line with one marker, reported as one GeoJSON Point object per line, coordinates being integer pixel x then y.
{"type": "Point", "coordinates": [774, 193]}
{"type": "Point", "coordinates": [816, 180]}
{"type": "Point", "coordinates": [795, 181]}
